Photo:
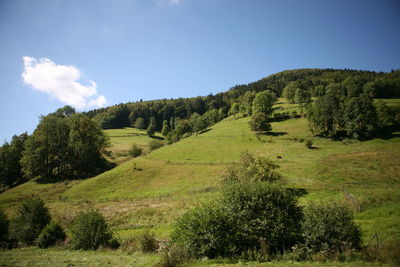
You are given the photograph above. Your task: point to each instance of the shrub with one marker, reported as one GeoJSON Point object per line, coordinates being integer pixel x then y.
{"type": "Point", "coordinates": [309, 144]}
{"type": "Point", "coordinates": [173, 256]}
{"type": "Point", "coordinates": [206, 231]}
{"type": "Point", "coordinates": [89, 231]}
{"type": "Point", "coordinates": [147, 242]}
{"type": "Point", "coordinates": [330, 228]}
{"type": "Point", "coordinates": [3, 227]}
{"type": "Point", "coordinates": [263, 211]}
{"type": "Point", "coordinates": [154, 144]}
{"type": "Point", "coordinates": [51, 235]}
{"type": "Point", "coordinates": [251, 168]}
{"type": "Point", "coordinates": [251, 216]}
{"type": "Point", "coordinates": [260, 122]}
{"type": "Point", "coordinates": [135, 151]}
{"type": "Point", "coordinates": [31, 218]}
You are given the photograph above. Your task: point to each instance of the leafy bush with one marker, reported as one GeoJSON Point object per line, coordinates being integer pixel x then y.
{"type": "Point", "coordinates": [89, 231]}
{"type": "Point", "coordinates": [147, 242]}
{"type": "Point", "coordinates": [263, 211]}
{"type": "Point", "coordinates": [330, 227]}
{"type": "Point", "coordinates": [173, 256]}
{"type": "Point", "coordinates": [51, 235]}
{"type": "Point", "coordinates": [251, 168]}
{"type": "Point", "coordinates": [260, 122]}
{"type": "Point", "coordinates": [32, 217]}
{"type": "Point", "coordinates": [207, 230]}
{"type": "Point", "coordinates": [251, 216]}
{"type": "Point", "coordinates": [135, 151]}
{"type": "Point", "coordinates": [154, 144]}
{"type": "Point", "coordinates": [3, 227]}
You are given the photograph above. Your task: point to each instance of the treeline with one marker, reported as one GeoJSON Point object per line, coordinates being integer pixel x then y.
{"type": "Point", "coordinates": [64, 144]}
{"type": "Point", "coordinates": [239, 99]}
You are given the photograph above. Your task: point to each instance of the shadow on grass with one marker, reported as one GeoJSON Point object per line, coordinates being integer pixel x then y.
{"type": "Point", "coordinates": [55, 178]}
{"type": "Point", "coordinates": [298, 192]}
{"type": "Point", "coordinates": [157, 137]}
{"type": "Point", "coordinates": [275, 133]}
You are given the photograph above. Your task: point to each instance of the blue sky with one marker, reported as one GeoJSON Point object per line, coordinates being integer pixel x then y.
{"type": "Point", "coordinates": [91, 53]}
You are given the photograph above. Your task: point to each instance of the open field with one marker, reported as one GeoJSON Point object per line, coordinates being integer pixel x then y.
{"type": "Point", "coordinates": [151, 191]}
{"type": "Point", "coordinates": [121, 141]}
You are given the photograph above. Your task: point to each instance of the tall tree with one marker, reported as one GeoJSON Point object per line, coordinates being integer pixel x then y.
{"type": "Point", "coordinates": [263, 102]}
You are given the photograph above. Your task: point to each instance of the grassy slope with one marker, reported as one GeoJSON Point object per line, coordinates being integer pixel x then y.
{"type": "Point", "coordinates": [151, 191]}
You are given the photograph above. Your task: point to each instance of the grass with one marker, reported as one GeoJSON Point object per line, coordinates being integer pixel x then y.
{"type": "Point", "coordinates": [122, 140]}
{"type": "Point", "coordinates": [151, 191]}
{"type": "Point", "coordinates": [61, 257]}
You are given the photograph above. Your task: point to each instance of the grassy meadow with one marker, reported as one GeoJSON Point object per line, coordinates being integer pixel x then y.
{"type": "Point", "coordinates": [151, 191]}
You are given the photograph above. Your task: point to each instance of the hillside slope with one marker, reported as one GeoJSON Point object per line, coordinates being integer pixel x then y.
{"type": "Point", "coordinates": [150, 192]}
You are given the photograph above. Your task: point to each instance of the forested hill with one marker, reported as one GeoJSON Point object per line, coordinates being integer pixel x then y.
{"type": "Point", "coordinates": [215, 107]}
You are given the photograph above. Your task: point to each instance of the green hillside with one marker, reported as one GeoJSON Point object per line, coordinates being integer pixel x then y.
{"type": "Point", "coordinates": [151, 191]}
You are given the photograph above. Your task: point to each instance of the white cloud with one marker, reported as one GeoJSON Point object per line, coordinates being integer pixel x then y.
{"type": "Point", "coordinates": [61, 82]}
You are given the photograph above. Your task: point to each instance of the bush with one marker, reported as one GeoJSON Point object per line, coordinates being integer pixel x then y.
{"type": "Point", "coordinates": [206, 231]}
{"type": "Point", "coordinates": [154, 144]}
{"type": "Point", "coordinates": [251, 216]}
{"type": "Point", "coordinates": [89, 231]}
{"type": "Point", "coordinates": [147, 242]}
{"type": "Point", "coordinates": [31, 218]}
{"type": "Point", "coordinates": [330, 228]}
{"type": "Point", "coordinates": [309, 144]}
{"type": "Point", "coordinates": [251, 168]}
{"type": "Point", "coordinates": [173, 256]}
{"type": "Point", "coordinates": [3, 227]}
{"type": "Point", "coordinates": [51, 235]}
{"type": "Point", "coordinates": [135, 151]}
{"type": "Point", "coordinates": [260, 122]}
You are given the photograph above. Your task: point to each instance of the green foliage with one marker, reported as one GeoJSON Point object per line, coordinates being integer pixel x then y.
{"type": "Point", "coordinates": [263, 102]}
{"type": "Point", "coordinates": [260, 122]}
{"type": "Point", "coordinates": [384, 115]}
{"type": "Point", "coordinates": [151, 129]}
{"type": "Point", "coordinates": [251, 168]}
{"type": "Point", "coordinates": [51, 234]}
{"type": "Point", "coordinates": [173, 255]}
{"type": "Point", "coordinates": [135, 151]}
{"type": "Point", "coordinates": [165, 129]}
{"type": "Point", "coordinates": [10, 157]}
{"type": "Point", "coordinates": [246, 213]}
{"type": "Point", "coordinates": [198, 122]}
{"type": "Point", "coordinates": [155, 144]}
{"type": "Point", "coordinates": [234, 109]}
{"type": "Point", "coordinates": [206, 231]}
{"type": "Point", "coordinates": [4, 223]}
{"type": "Point", "coordinates": [147, 242]}
{"type": "Point", "coordinates": [261, 210]}
{"type": "Point", "coordinates": [64, 146]}
{"type": "Point", "coordinates": [329, 227]}
{"type": "Point", "coordinates": [360, 116]}
{"type": "Point", "coordinates": [89, 231]}
{"type": "Point", "coordinates": [139, 123]}
{"type": "Point", "coordinates": [32, 217]}
{"type": "Point", "coordinates": [289, 92]}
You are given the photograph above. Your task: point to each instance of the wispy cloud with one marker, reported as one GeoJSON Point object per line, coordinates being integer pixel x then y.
{"type": "Point", "coordinates": [174, 2]}
{"type": "Point", "coordinates": [61, 82]}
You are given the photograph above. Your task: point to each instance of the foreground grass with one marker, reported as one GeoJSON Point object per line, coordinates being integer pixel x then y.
{"type": "Point", "coordinates": [61, 257]}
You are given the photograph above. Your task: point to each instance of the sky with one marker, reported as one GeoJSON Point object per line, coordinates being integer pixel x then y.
{"type": "Point", "coordinates": [98, 53]}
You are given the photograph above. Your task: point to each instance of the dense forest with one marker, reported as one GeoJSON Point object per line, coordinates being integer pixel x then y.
{"type": "Point", "coordinates": [314, 82]}
{"type": "Point", "coordinates": [337, 103]}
